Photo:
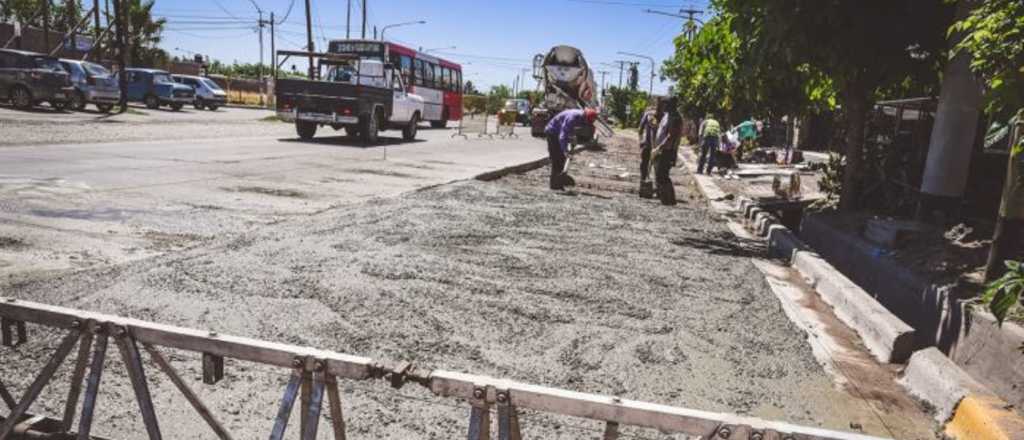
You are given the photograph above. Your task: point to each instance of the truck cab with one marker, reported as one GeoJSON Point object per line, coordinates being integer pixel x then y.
{"type": "Point", "coordinates": [363, 95]}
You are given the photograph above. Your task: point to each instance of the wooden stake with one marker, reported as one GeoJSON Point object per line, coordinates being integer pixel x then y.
{"type": "Point", "coordinates": [191, 396]}
{"type": "Point", "coordinates": [84, 345]}
{"type": "Point", "coordinates": [287, 403]}
{"type": "Point", "coordinates": [335, 402]}
{"type": "Point", "coordinates": [316, 400]}
{"type": "Point", "coordinates": [92, 386]}
{"type": "Point", "coordinates": [132, 361]}
{"type": "Point", "coordinates": [37, 386]}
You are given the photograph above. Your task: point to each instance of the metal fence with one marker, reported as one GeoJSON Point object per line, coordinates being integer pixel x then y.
{"type": "Point", "coordinates": [315, 374]}
{"type": "Point", "coordinates": [476, 125]}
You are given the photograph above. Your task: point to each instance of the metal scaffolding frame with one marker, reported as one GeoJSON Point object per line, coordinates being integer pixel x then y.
{"type": "Point", "coordinates": [314, 374]}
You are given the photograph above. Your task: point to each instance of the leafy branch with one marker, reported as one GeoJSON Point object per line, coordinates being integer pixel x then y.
{"type": "Point", "coordinates": [1004, 294]}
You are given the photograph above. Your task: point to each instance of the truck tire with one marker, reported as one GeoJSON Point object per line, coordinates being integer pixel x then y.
{"type": "Point", "coordinates": [369, 128]}
{"type": "Point", "coordinates": [199, 104]}
{"type": "Point", "coordinates": [21, 98]}
{"type": "Point", "coordinates": [409, 132]}
{"type": "Point", "coordinates": [177, 106]}
{"type": "Point", "coordinates": [104, 108]}
{"type": "Point", "coordinates": [306, 130]}
{"type": "Point", "coordinates": [152, 102]}
{"type": "Point", "coordinates": [77, 102]}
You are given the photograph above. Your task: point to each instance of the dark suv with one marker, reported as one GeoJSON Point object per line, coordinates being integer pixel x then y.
{"type": "Point", "coordinates": [28, 78]}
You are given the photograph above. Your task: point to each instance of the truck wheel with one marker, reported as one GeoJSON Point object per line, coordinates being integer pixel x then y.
{"type": "Point", "coordinates": [152, 102]}
{"type": "Point", "coordinates": [199, 104]}
{"type": "Point", "coordinates": [212, 107]}
{"type": "Point", "coordinates": [306, 130]}
{"type": "Point", "coordinates": [104, 108]}
{"type": "Point", "coordinates": [369, 129]}
{"type": "Point", "coordinates": [21, 98]}
{"type": "Point", "coordinates": [58, 105]}
{"type": "Point", "coordinates": [409, 132]}
{"type": "Point", "coordinates": [177, 106]}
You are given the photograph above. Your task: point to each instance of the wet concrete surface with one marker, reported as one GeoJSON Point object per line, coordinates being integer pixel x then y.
{"type": "Point", "coordinates": [592, 290]}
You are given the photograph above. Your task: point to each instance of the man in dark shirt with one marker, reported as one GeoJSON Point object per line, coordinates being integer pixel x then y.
{"type": "Point", "coordinates": [560, 133]}
{"type": "Point", "coordinates": [666, 150]}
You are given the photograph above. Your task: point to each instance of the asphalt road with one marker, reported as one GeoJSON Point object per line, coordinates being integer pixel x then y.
{"type": "Point", "coordinates": [75, 205]}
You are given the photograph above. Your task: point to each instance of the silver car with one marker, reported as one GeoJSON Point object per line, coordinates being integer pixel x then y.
{"type": "Point", "coordinates": [208, 93]}
{"type": "Point", "coordinates": [93, 84]}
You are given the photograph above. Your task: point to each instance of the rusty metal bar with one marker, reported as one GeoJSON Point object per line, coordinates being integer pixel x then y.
{"type": "Point", "coordinates": [92, 386]}
{"type": "Point", "coordinates": [77, 377]}
{"type": "Point", "coordinates": [479, 390]}
{"type": "Point", "coordinates": [37, 386]}
{"type": "Point", "coordinates": [193, 399]}
{"type": "Point", "coordinates": [133, 362]}
{"type": "Point", "coordinates": [337, 417]}
{"type": "Point", "coordinates": [287, 403]}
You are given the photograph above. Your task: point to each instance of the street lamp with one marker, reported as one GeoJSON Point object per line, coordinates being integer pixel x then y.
{"type": "Point", "coordinates": [408, 23]}
{"type": "Point", "coordinates": [636, 55]}
{"type": "Point", "coordinates": [440, 49]}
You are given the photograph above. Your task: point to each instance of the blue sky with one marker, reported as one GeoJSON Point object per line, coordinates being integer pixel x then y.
{"type": "Point", "coordinates": [493, 39]}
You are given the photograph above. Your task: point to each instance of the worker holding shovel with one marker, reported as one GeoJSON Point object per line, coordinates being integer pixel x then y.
{"type": "Point", "coordinates": [666, 150]}
{"type": "Point", "coordinates": [560, 133]}
{"type": "Point", "coordinates": [648, 131]}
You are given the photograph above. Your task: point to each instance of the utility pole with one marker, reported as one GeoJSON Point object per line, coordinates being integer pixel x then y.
{"type": "Point", "coordinates": [690, 16]}
{"type": "Point", "coordinates": [603, 74]}
{"type": "Point", "coordinates": [309, 40]}
{"type": "Point", "coordinates": [622, 69]}
{"type": "Point", "coordinates": [259, 70]}
{"type": "Point", "coordinates": [273, 48]}
{"type": "Point", "coordinates": [46, 26]}
{"type": "Point", "coordinates": [348, 21]}
{"type": "Point", "coordinates": [364, 19]}
{"type": "Point", "coordinates": [96, 20]}
{"type": "Point", "coordinates": [122, 62]}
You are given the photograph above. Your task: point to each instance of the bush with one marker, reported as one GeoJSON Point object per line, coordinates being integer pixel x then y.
{"type": "Point", "coordinates": [626, 106]}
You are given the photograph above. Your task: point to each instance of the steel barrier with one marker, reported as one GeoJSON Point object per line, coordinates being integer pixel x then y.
{"type": "Point", "coordinates": [314, 376]}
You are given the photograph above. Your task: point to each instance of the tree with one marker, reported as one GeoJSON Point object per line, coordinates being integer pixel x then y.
{"type": "Point", "coordinates": [470, 89]}
{"type": "Point", "coordinates": [626, 105]}
{"type": "Point", "coordinates": [863, 47]}
{"type": "Point", "coordinates": [704, 67]}
{"type": "Point", "coordinates": [534, 96]}
{"type": "Point", "coordinates": [501, 92]}
{"type": "Point", "coordinates": [994, 37]}
{"type": "Point", "coordinates": [634, 77]}
{"type": "Point", "coordinates": [143, 34]}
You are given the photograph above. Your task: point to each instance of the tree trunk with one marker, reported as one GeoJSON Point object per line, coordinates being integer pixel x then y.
{"type": "Point", "coordinates": [856, 107]}
{"type": "Point", "coordinates": [1008, 240]}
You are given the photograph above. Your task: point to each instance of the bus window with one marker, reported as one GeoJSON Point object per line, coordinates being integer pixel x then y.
{"type": "Point", "coordinates": [458, 82]}
{"type": "Point", "coordinates": [428, 75]}
{"type": "Point", "coordinates": [405, 64]}
{"type": "Point", "coordinates": [421, 76]}
{"type": "Point", "coordinates": [446, 78]}
{"type": "Point", "coordinates": [437, 76]}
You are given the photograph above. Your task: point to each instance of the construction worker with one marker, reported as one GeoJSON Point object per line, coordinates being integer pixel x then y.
{"type": "Point", "coordinates": [648, 130]}
{"type": "Point", "coordinates": [561, 131]}
{"type": "Point", "coordinates": [709, 133]}
{"type": "Point", "coordinates": [666, 150]}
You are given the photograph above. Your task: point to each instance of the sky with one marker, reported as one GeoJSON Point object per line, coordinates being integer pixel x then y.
{"type": "Point", "coordinates": [493, 40]}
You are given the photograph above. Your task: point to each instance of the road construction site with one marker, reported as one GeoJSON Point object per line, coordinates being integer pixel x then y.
{"type": "Point", "coordinates": [591, 290]}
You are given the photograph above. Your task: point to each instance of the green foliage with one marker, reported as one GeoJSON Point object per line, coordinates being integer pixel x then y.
{"type": "Point", "coordinates": [994, 37]}
{"type": "Point", "coordinates": [1003, 296]}
{"type": "Point", "coordinates": [500, 92]}
{"type": "Point", "coordinates": [474, 104]}
{"type": "Point", "coordinates": [626, 106]}
{"type": "Point", "coordinates": [830, 183]}
{"type": "Point", "coordinates": [534, 96]}
{"type": "Point", "coordinates": [469, 88]}
{"type": "Point", "coordinates": [704, 68]}
{"type": "Point", "coordinates": [243, 70]}
{"type": "Point", "coordinates": [144, 34]}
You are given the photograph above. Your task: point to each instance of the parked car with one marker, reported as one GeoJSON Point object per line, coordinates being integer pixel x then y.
{"type": "Point", "coordinates": [93, 84]}
{"type": "Point", "coordinates": [29, 78]}
{"type": "Point", "coordinates": [520, 108]}
{"type": "Point", "coordinates": [208, 93]}
{"type": "Point", "coordinates": [156, 88]}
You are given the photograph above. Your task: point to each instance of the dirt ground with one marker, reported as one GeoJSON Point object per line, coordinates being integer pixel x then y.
{"type": "Point", "coordinates": [592, 290]}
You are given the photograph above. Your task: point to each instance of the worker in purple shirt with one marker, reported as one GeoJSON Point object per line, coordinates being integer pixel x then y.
{"type": "Point", "coordinates": [560, 132]}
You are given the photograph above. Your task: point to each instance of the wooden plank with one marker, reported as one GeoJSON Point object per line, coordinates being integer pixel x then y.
{"type": "Point", "coordinates": [77, 377]}
{"type": "Point", "coordinates": [193, 399]}
{"type": "Point", "coordinates": [287, 403]}
{"type": "Point", "coordinates": [612, 409]}
{"type": "Point", "coordinates": [307, 388]}
{"type": "Point", "coordinates": [133, 362]}
{"type": "Point", "coordinates": [37, 386]}
{"type": "Point", "coordinates": [337, 417]}
{"type": "Point", "coordinates": [234, 347]}
{"type": "Point", "coordinates": [480, 422]}
{"type": "Point", "coordinates": [92, 386]}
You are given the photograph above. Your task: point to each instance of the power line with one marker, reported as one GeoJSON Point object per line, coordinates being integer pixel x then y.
{"type": "Point", "coordinates": [627, 3]}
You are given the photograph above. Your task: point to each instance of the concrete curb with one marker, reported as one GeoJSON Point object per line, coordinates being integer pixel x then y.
{"type": "Point", "coordinates": [489, 176]}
